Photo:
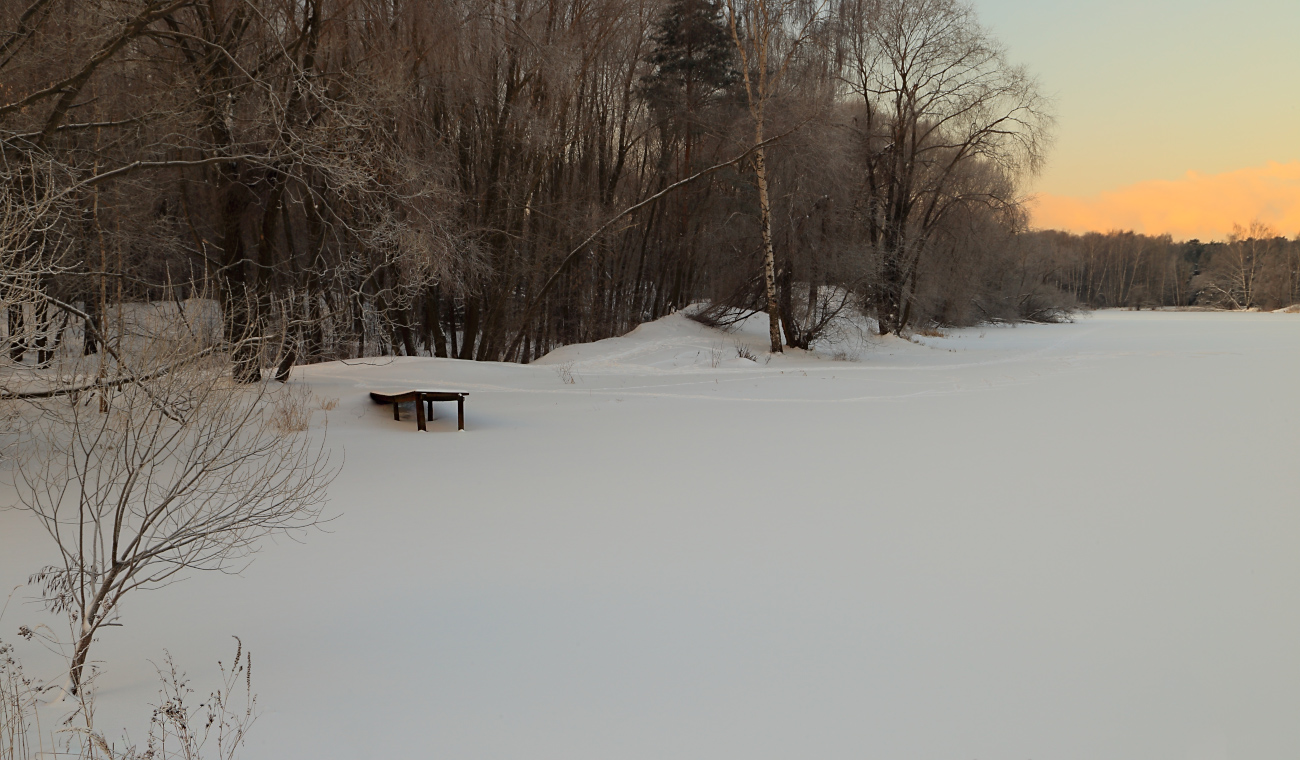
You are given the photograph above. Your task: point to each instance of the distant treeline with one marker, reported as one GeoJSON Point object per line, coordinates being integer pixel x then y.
{"type": "Point", "coordinates": [1254, 269]}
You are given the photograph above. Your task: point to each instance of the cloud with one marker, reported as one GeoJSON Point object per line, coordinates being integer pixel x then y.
{"type": "Point", "coordinates": [1203, 206]}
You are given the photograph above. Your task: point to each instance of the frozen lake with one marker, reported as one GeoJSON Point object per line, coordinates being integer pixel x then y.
{"type": "Point", "coordinates": [1067, 541]}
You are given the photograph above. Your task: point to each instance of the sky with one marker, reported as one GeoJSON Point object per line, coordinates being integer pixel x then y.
{"type": "Point", "coordinates": [1178, 118]}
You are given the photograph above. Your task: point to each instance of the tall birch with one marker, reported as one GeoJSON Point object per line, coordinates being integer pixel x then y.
{"type": "Point", "coordinates": [768, 34]}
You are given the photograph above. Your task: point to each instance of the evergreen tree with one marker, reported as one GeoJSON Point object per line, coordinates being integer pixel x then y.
{"type": "Point", "coordinates": [692, 60]}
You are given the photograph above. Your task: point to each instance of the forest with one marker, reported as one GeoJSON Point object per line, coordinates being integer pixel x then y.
{"type": "Point", "coordinates": [1255, 268]}
{"type": "Point", "coordinates": [490, 180]}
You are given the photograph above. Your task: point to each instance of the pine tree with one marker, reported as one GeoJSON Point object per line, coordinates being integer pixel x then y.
{"type": "Point", "coordinates": [692, 60]}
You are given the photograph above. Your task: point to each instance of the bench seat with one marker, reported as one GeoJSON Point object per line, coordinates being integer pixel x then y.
{"type": "Point", "coordinates": [423, 400]}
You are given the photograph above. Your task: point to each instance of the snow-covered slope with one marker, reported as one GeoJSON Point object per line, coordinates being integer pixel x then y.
{"type": "Point", "coordinates": [1068, 541]}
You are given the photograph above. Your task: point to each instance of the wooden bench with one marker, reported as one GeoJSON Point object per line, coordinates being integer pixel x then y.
{"type": "Point", "coordinates": [423, 400]}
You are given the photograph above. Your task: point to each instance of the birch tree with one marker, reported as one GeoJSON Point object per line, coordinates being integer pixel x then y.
{"type": "Point", "coordinates": [1238, 269]}
{"type": "Point", "coordinates": [768, 35]}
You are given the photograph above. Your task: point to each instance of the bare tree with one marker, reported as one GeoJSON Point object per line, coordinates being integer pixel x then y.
{"type": "Point", "coordinates": [1237, 270]}
{"type": "Point", "coordinates": [184, 471]}
{"type": "Point", "coordinates": [768, 34]}
{"type": "Point", "coordinates": [938, 97]}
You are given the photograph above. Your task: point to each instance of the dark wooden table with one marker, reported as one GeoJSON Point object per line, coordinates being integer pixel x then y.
{"type": "Point", "coordinates": [423, 401]}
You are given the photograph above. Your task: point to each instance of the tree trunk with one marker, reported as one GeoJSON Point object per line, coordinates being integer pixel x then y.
{"type": "Point", "coordinates": [288, 348]}
{"type": "Point", "coordinates": [793, 335]}
{"type": "Point", "coordinates": [769, 254]}
{"type": "Point", "coordinates": [17, 346]}
{"type": "Point", "coordinates": [90, 620]}
{"type": "Point", "coordinates": [47, 338]}
{"type": "Point", "coordinates": [91, 329]}
{"type": "Point", "coordinates": [470, 328]}
{"type": "Point", "coordinates": [79, 658]}
{"type": "Point", "coordinates": [887, 294]}
{"type": "Point", "coordinates": [240, 301]}
{"type": "Point", "coordinates": [433, 321]}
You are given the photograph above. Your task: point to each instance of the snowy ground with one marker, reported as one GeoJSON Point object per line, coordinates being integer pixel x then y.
{"type": "Point", "coordinates": [1073, 541]}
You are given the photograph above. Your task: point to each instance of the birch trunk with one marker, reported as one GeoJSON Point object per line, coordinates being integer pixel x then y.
{"type": "Point", "coordinates": [769, 255]}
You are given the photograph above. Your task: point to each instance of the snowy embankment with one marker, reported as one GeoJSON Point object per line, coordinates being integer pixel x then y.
{"type": "Point", "coordinates": [1065, 541]}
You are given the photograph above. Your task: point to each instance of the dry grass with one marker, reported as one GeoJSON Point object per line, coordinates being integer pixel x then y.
{"type": "Point", "coordinates": [290, 411]}
{"type": "Point", "coordinates": [181, 728]}
{"type": "Point", "coordinates": [18, 695]}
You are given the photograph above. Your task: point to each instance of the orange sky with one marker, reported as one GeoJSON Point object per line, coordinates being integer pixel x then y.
{"type": "Point", "coordinates": [1177, 116]}
{"type": "Point", "coordinates": [1204, 206]}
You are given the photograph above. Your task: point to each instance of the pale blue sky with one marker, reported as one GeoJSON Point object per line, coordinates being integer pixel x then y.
{"type": "Point", "coordinates": [1152, 89]}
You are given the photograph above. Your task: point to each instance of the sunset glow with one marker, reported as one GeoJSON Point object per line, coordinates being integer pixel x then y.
{"type": "Point", "coordinates": [1203, 206]}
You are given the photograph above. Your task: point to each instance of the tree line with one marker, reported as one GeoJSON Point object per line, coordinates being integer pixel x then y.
{"type": "Point", "coordinates": [1255, 268]}
{"type": "Point", "coordinates": [488, 180]}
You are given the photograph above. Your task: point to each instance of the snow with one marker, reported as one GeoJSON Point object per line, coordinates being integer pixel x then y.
{"type": "Point", "coordinates": [1044, 541]}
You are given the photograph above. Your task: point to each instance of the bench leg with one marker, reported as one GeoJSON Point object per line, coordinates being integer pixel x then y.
{"type": "Point", "coordinates": [460, 412]}
{"type": "Point", "coordinates": [419, 414]}
{"type": "Point", "coordinates": [396, 411]}
{"type": "Point", "coordinates": [429, 413]}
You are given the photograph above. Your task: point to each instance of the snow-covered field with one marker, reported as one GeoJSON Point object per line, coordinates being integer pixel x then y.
{"type": "Point", "coordinates": [1072, 541]}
